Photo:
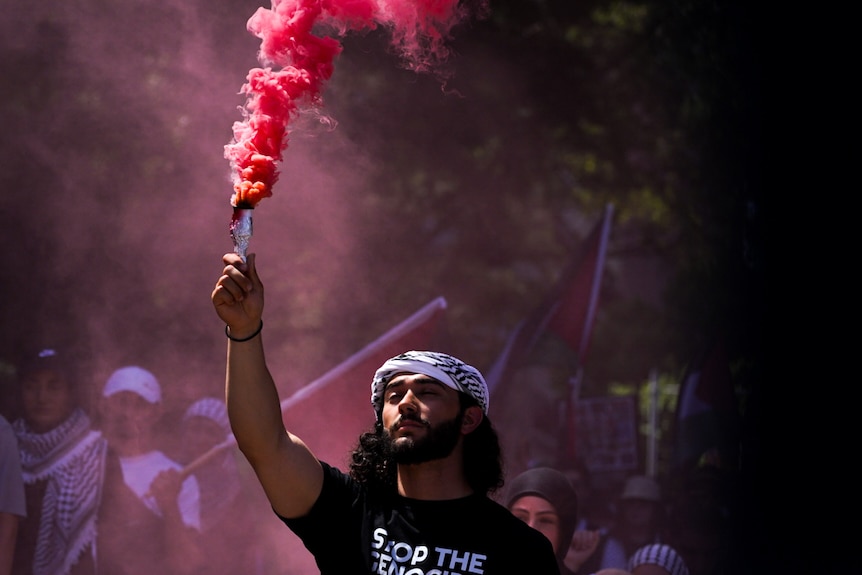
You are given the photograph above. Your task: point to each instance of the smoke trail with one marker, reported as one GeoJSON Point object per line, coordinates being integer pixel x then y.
{"type": "Point", "coordinates": [304, 59]}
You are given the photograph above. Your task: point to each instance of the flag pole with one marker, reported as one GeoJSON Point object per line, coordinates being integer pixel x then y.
{"type": "Point", "coordinates": [595, 288]}
{"type": "Point", "coordinates": [652, 439]}
{"type": "Point", "coordinates": [576, 382]}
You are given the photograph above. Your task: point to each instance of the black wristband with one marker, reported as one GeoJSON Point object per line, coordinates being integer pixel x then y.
{"type": "Point", "coordinates": [232, 338]}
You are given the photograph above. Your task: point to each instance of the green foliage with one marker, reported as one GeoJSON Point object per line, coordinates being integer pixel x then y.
{"type": "Point", "coordinates": [479, 189]}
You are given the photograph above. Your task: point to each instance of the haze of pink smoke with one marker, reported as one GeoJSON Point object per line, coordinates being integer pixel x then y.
{"type": "Point", "coordinates": [418, 29]}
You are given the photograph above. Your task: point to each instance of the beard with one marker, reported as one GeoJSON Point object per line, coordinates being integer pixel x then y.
{"type": "Point", "coordinates": [438, 442]}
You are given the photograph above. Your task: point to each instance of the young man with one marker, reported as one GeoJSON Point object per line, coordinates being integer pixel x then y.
{"type": "Point", "coordinates": [62, 460]}
{"type": "Point", "coordinates": [641, 515]}
{"type": "Point", "coordinates": [149, 518]}
{"type": "Point", "coordinates": [416, 498]}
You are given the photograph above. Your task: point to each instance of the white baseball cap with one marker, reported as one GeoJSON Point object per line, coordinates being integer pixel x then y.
{"type": "Point", "coordinates": [135, 379]}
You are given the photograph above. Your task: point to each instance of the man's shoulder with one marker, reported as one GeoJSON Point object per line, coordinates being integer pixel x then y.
{"type": "Point", "coordinates": [334, 475]}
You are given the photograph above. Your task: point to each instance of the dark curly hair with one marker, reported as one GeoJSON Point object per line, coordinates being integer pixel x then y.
{"type": "Point", "coordinates": [373, 465]}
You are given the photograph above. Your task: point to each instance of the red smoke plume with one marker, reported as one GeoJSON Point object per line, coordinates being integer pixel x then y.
{"type": "Point", "coordinates": [298, 62]}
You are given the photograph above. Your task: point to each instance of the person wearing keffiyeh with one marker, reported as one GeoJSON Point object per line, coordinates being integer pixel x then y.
{"type": "Point", "coordinates": [204, 426]}
{"type": "Point", "coordinates": [62, 462]}
{"type": "Point", "coordinates": [231, 534]}
{"type": "Point", "coordinates": [416, 497]}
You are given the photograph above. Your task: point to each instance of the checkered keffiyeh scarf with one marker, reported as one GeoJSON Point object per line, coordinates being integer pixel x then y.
{"type": "Point", "coordinates": [446, 369]}
{"type": "Point", "coordinates": [71, 457]}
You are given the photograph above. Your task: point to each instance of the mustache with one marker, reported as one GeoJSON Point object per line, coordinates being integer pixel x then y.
{"type": "Point", "coordinates": [409, 417]}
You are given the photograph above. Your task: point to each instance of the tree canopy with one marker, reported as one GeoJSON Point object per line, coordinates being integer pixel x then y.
{"type": "Point", "coordinates": [478, 186]}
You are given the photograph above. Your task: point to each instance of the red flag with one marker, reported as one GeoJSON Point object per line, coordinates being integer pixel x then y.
{"type": "Point", "coordinates": [330, 412]}
{"type": "Point", "coordinates": [568, 310]}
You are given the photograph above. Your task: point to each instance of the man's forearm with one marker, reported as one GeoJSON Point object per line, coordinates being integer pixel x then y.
{"type": "Point", "coordinates": [252, 399]}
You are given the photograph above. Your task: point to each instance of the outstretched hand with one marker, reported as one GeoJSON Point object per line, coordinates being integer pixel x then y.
{"type": "Point", "coordinates": [238, 295]}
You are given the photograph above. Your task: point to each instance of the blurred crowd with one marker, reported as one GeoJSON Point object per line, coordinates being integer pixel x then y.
{"type": "Point", "coordinates": [103, 492]}
{"type": "Point", "coordinates": [100, 491]}
{"type": "Point", "coordinates": [687, 534]}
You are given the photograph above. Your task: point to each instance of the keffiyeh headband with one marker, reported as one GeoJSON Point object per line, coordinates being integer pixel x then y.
{"type": "Point", "coordinates": [446, 369]}
{"type": "Point", "coordinates": [211, 408]}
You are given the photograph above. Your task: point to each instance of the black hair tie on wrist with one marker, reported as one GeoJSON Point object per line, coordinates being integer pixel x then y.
{"type": "Point", "coordinates": [237, 339]}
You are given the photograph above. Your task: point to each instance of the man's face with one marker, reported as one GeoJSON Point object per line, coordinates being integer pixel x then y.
{"type": "Point", "coordinates": [47, 399]}
{"type": "Point", "coordinates": [422, 418]}
{"type": "Point", "coordinates": [128, 422]}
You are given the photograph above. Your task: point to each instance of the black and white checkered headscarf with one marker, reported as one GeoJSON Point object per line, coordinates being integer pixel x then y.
{"type": "Point", "coordinates": [446, 369]}
{"type": "Point", "coordinates": [658, 554]}
{"type": "Point", "coordinates": [212, 409]}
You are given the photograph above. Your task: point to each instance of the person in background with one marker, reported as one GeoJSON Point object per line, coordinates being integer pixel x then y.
{"type": "Point", "coordinates": [544, 499]}
{"type": "Point", "coordinates": [149, 519]}
{"type": "Point", "coordinates": [204, 426]}
{"type": "Point", "coordinates": [12, 504]}
{"type": "Point", "coordinates": [590, 551]}
{"type": "Point", "coordinates": [229, 532]}
{"type": "Point", "coordinates": [416, 498]}
{"type": "Point", "coordinates": [595, 511]}
{"type": "Point", "coordinates": [62, 460]}
{"type": "Point", "coordinates": [592, 548]}
{"type": "Point", "coordinates": [641, 515]}
{"type": "Point", "coordinates": [657, 559]}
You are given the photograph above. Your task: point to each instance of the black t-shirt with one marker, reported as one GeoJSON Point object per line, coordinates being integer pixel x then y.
{"type": "Point", "coordinates": [350, 532]}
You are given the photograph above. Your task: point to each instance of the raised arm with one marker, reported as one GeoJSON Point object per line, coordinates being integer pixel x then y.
{"type": "Point", "coordinates": [290, 474]}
